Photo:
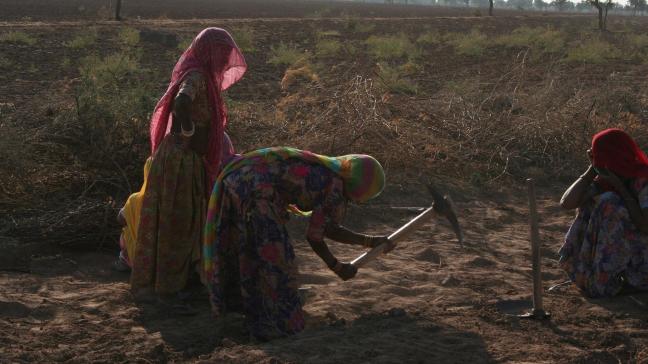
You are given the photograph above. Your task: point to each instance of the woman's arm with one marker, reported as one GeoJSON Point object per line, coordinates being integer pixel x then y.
{"type": "Point", "coordinates": [343, 235]}
{"type": "Point", "coordinates": [576, 194]}
{"type": "Point", "coordinates": [638, 215]}
{"type": "Point", "coordinates": [182, 112]}
{"type": "Point", "coordinates": [343, 270]}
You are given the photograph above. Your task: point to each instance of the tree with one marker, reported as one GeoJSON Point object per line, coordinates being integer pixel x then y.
{"type": "Point", "coordinates": [639, 5]}
{"type": "Point", "coordinates": [583, 6]}
{"type": "Point", "coordinates": [118, 10]}
{"type": "Point", "coordinates": [520, 4]}
{"type": "Point", "coordinates": [539, 4]}
{"type": "Point", "coordinates": [602, 6]}
{"type": "Point", "coordinates": [490, 7]}
{"type": "Point", "coordinates": [559, 4]}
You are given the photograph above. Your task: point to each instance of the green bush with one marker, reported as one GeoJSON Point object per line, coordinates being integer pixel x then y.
{"type": "Point", "coordinates": [391, 47]}
{"type": "Point", "coordinates": [5, 63]}
{"type": "Point", "coordinates": [638, 41]}
{"type": "Point", "coordinates": [83, 40]}
{"type": "Point", "coordinates": [183, 44]}
{"type": "Point", "coordinates": [66, 62]}
{"type": "Point", "coordinates": [129, 37]}
{"type": "Point", "coordinates": [472, 44]}
{"type": "Point", "coordinates": [394, 80]}
{"type": "Point", "coordinates": [430, 38]}
{"type": "Point", "coordinates": [327, 48]}
{"type": "Point", "coordinates": [18, 38]}
{"type": "Point", "coordinates": [544, 39]}
{"type": "Point", "coordinates": [284, 54]}
{"type": "Point", "coordinates": [113, 102]}
{"type": "Point", "coordinates": [244, 37]}
{"type": "Point", "coordinates": [327, 34]}
{"type": "Point", "coordinates": [594, 51]}
{"type": "Point", "coordinates": [362, 27]}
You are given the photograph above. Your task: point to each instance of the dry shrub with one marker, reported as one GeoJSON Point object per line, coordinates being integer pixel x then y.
{"type": "Point", "coordinates": [541, 132]}
{"type": "Point", "coordinates": [295, 77]}
{"type": "Point", "coordinates": [347, 118]}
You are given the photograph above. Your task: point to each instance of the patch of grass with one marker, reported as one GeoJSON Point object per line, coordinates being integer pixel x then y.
{"type": "Point", "coordinates": [463, 87]}
{"type": "Point", "coordinates": [17, 38]}
{"type": "Point", "coordinates": [106, 72]}
{"type": "Point", "coordinates": [410, 68]}
{"type": "Point", "coordinates": [472, 44]}
{"type": "Point", "coordinates": [327, 48]}
{"type": "Point", "coordinates": [113, 99]}
{"type": "Point", "coordinates": [66, 62]}
{"type": "Point", "coordinates": [184, 43]}
{"type": "Point", "coordinates": [350, 48]}
{"type": "Point", "coordinates": [129, 37]}
{"type": "Point", "coordinates": [638, 41]}
{"type": "Point", "coordinates": [638, 47]}
{"type": "Point", "coordinates": [244, 37]}
{"type": "Point", "coordinates": [391, 47]}
{"type": "Point", "coordinates": [285, 54]}
{"type": "Point", "coordinates": [430, 38]}
{"type": "Point", "coordinates": [328, 34]}
{"type": "Point", "coordinates": [363, 27]}
{"type": "Point", "coordinates": [82, 40]}
{"type": "Point", "coordinates": [594, 51]}
{"type": "Point", "coordinates": [5, 63]}
{"type": "Point", "coordinates": [395, 81]}
{"type": "Point", "coordinates": [544, 39]}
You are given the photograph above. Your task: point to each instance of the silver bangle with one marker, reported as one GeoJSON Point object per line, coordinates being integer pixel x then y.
{"type": "Point", "coordinates": [188, 133]}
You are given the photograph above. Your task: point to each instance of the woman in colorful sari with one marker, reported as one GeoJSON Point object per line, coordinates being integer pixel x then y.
{"type": "Point", "coordinates": [248, 257]}
{"type": "Point", "coordinates": [606, 248]}
{"type": "Point", "coordinates": [187, 133]}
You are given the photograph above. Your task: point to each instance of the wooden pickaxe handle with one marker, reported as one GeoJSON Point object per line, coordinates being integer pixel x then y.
{"type": "Point", "coordinates": [450, 213]}
{"type": "Point", "coordinates": [404, 230]}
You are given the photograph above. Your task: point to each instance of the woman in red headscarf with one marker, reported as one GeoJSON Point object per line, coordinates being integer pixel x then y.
{"type": "Point", "coordinates": [188, 145]}
{"type": "Point", "coordinates": [606, 248]}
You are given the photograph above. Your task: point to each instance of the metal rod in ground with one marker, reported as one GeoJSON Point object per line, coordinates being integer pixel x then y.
{"type": "Point", "coordinates": [538, 308]}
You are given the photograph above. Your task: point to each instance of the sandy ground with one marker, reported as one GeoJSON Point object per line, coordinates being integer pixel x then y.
{"type": "Point", "coordinates": [430, 301]}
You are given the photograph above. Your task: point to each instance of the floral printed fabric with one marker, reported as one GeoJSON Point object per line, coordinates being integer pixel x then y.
{"type": "Point", "coordinates": [254, 258]}
{"type": "Point", "coordinates": [603, 247]}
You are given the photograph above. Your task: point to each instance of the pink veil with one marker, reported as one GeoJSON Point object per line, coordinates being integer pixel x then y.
{"type": "Point", "coordinates": [215, 54]}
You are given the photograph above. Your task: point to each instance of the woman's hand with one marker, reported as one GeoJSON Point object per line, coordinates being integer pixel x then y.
{"type": "Point", "coordinates": [612, 179]}
{"type": "Point", "coordinates": [345, 271]}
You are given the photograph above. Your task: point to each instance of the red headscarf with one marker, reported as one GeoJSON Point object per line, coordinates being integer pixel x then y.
{"type": "Point", "coordinates": [617, 152]}
{"type": "Point", "coordinates": [214, 54]}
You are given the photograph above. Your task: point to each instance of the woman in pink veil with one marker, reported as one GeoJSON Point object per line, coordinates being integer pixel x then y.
{"type": "Point", "coordinates": [188, 144]}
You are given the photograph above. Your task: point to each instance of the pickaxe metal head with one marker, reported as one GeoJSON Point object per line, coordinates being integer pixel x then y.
{"type": "Point", "coordinates": [443, 205]}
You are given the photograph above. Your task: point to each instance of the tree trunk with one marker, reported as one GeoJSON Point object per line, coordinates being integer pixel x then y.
{"type": "Point", "coordinates": [490, 7]}
{"type": "Point", "coordinates": [118, 10]}
{"type": "Point", "coordinates": [605, 19]}
{"type": "Point", "coordinates": [600, 18]}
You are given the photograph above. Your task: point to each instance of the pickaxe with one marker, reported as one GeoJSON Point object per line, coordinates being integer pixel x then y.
{"type": "Point", "coordinates": [442, 205]}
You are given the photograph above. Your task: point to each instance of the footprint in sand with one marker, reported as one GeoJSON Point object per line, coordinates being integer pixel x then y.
{"type": "Point", "coordinates": [481, 262]}
{"type": "Point", "coordinates": [428, 255]}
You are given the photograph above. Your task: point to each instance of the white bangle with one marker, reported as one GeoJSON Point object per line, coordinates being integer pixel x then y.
{"type": "Point", "coordinates": [188, 133]}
